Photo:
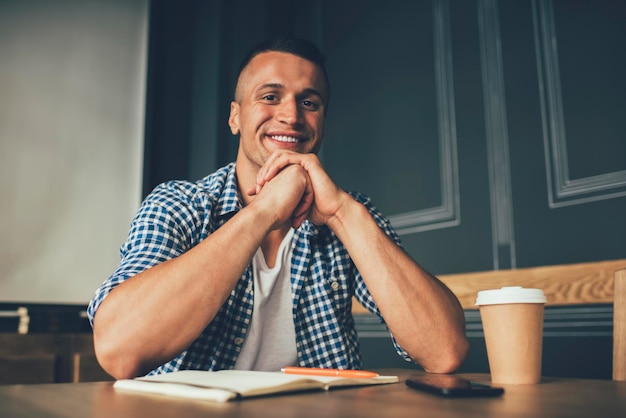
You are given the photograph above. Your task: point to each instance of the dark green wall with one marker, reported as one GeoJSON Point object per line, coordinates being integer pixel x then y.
{"type": "Point", "coordinates": [489, 131]}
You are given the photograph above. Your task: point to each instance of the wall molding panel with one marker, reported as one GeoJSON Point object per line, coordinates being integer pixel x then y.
{"type": "Point", "coordinates": [448, 214]}
{"type": "Point", "coordinates": [562, 190]}
{"type": "Point", "coordinates": [497, 136]}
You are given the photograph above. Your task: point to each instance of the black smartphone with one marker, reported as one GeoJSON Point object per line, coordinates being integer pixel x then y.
{"type": "Point", "coordinates": [451, 386]}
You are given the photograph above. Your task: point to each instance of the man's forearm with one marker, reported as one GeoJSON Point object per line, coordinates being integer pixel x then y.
{"type": "Point", "coordinates": [153, 316]}
{"type": "Point", "coordinates": [423, 315]}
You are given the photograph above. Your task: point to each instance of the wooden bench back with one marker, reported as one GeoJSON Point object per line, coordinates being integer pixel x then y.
{"type": "Point", "coordinates": [569, 284]}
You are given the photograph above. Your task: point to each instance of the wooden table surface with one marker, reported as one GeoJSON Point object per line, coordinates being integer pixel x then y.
{"type": "Point", "coordinates": [554, 397]}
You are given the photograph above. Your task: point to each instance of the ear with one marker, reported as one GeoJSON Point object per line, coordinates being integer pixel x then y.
{"type": "Point", "coordinates": [233, 120]}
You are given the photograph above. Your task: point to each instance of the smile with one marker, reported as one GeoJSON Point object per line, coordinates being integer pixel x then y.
{"type": "Point", "coordinates": [284, 138]}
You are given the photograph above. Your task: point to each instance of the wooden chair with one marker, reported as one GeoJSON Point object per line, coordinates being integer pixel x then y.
{"type": "Point", "coordinates": [571, 284]}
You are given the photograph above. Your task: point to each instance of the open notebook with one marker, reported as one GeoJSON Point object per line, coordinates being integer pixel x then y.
{"type": "Point", "coordinates": [225, 385]}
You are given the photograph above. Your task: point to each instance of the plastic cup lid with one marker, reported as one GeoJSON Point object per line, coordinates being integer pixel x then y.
{"type": "Point", "coordinates": [511, 294]}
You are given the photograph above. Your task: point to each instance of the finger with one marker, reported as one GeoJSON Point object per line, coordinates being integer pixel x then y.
{"type": "Point", "coordinates": [301, 211]}
{"type": "Point", "coordinates": [303, 207]}
{"type": "Point", "coordinates": [274, 164]}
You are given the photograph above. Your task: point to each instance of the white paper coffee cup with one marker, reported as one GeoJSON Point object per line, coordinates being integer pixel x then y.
{"type": "Point", "coordinates": [512, 320]}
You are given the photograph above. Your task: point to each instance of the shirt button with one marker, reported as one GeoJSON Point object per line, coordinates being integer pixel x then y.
{"type": "Point", "coordinates": [334, 285]}
{"type": "Point", "coordinates": [238, 341]}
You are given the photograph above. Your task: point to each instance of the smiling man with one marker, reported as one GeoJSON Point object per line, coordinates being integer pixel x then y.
{"type": "Point", "coordinates": [255, 266]}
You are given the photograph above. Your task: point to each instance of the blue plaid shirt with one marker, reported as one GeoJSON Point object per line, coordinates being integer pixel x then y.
{"type": "Point", "coordinates": [178, 215]}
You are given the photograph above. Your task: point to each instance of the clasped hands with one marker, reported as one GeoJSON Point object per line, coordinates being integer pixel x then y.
{"type": "Point", "coordinates": [294, 187]}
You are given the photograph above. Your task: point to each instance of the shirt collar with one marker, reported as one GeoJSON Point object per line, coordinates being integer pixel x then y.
{"type": "Point", "coordinates": [230, 200]}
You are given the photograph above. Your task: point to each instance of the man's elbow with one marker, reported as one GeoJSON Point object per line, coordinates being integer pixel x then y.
{"type": "Point", "coordinates": [450, 358]}
{"type": "Point", "coordinates": [114, 359]}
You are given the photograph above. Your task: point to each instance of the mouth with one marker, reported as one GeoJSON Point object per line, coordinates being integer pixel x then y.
{"type": "Point", "coordinates": [287, 139]}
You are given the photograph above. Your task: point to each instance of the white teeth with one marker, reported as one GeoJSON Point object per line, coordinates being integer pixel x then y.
{"type": "Point", "coordinates": [282, 138]}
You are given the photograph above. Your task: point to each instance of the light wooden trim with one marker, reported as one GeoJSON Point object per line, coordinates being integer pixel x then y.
{"type": "Point", "coordinates": [619, 326]}
{"type": "Point", "coordinates": [568, 284]}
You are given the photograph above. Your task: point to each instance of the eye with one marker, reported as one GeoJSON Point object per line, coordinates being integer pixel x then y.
{"type": "Point", "coordinates": [310, 104]}
{"type": "Point", "coordinates": [269, 98]}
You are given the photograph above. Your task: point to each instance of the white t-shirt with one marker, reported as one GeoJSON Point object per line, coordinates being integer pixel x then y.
{"type": "Point", "coordinates": [271, 340]}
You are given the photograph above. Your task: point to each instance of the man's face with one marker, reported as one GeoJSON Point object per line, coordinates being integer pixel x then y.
{"type": "Point", "coordinates": [279, 104]}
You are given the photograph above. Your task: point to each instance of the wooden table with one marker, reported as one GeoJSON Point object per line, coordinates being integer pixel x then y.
{"type": "Point", "coordinates": [554, 397]}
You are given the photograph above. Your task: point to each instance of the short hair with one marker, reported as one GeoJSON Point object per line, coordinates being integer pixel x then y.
{"type": "Point", "coordinates": [296, 46]}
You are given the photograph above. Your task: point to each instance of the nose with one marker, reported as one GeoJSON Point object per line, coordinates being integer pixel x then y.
{"type": "Point", "coordinates": [289, 112]}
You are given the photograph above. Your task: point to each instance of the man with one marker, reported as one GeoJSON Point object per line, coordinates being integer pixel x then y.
{"type": "Point", "coordinates": [254, 267]}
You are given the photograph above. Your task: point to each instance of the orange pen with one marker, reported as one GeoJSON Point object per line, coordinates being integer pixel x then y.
{"type": "Point", "coordinates": [312, 371]}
